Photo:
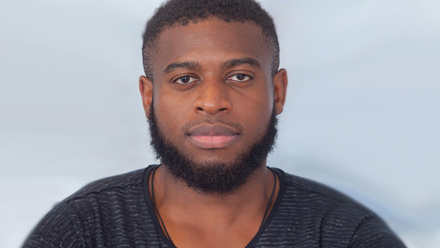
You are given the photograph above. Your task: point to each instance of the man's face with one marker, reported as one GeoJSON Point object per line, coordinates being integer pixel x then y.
{"type": "Point", "coordinates": [213, 91]}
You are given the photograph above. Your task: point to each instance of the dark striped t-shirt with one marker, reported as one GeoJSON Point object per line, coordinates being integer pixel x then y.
{"type": "Point", "coordinates": [117, 212]}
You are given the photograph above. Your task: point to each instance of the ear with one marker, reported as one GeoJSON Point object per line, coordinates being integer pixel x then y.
{"type": "Point", "coordinates": [280, 89]}
{"type": "Point", "coordinates": [146, 89]}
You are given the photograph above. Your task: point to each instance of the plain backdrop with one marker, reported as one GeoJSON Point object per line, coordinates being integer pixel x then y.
{"type": "Point", "coordinates": [362, 112]}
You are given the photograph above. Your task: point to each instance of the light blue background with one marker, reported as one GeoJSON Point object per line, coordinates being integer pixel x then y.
{"type": "Point", "coordinates": [362, 113]}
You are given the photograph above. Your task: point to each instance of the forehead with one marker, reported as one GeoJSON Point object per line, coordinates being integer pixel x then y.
{"type": "Point", "coordinates": [211, 40]}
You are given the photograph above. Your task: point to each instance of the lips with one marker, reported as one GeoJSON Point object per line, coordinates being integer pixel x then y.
{"type": "Point", "coordinates": [213, 136]}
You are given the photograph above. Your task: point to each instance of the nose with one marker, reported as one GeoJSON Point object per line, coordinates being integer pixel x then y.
{"type": "Point", "coordinates": [212, 98]}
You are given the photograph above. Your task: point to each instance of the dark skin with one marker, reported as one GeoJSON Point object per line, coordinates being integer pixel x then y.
{"type": "Point", "coordinates": [205, 75]}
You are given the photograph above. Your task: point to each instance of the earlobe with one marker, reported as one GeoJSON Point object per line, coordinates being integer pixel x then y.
{"type": "Point", "coordinates": [280, 89]}
{"type": "Point", "coordinates": [146, 90]}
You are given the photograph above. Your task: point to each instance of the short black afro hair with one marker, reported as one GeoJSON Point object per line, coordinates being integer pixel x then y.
{"type": "Point", "coordinates": [183, 12]}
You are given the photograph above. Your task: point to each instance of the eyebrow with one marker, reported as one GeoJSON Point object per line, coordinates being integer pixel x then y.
{"type": "Point", "coordinates": [242, 61]}
{"type": "Point", "coordinates": [191, 65]}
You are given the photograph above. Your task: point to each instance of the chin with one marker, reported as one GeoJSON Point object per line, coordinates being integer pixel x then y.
{"type": "Point", "coordinates": [212, 162]}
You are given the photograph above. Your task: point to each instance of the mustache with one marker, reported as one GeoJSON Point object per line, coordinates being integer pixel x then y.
{"type": "Point", "coordinates": [212, 121]}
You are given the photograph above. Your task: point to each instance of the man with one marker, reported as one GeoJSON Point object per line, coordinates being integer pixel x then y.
{"type": "Point", "coordinates": [211, 91]}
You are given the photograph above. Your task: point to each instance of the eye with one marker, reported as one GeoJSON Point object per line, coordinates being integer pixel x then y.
{"type": "Point", "coordinates": [239, 77]}
{"type": "Point", "coordinates": [185, 80]}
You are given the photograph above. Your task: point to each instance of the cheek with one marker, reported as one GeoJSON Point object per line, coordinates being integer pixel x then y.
{"type": "Point", "coordinates": [266, 106]}
{"type": "Point", "coordinates": [256, 111]}
{"type": "Point", "coordinates": [170, 114]}
{"type": "Point", "coordinates": [264, 101]}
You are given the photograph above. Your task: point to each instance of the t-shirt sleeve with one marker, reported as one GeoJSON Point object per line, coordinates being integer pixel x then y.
{"type": "Point", "coordinates": [373, 232]}
{"type": "Point", "coordinates": [58, 228]}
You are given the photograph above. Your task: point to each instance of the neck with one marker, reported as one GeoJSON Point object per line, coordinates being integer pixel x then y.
{"type": "Point", "coordinates": [174, 191]}
{"type": "Point", "coordinates": [185, 208]}
{"type": "Point", "coordinates": [173, 198]}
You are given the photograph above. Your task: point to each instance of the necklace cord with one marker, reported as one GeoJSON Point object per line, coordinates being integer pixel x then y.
{"type": "Point", "coordinates": [155, 208]}
{"type": "Point", "coordinates": [266, 212]}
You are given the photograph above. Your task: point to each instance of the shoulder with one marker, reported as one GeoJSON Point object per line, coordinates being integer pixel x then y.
{"type": "Point", "coordinates": [108, 202]}
{"type": "Point", "coordinates": [313, 209]}
{"type": "Point", "coordinates": [301, 190]}
{"type": "Point", "coordinates": [107, 208]}
{"type": "Point", "coordinates": [100, 187]}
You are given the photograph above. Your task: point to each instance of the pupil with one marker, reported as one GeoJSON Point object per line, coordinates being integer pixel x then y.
{"type": "Point", "coordinates": [240, 76]}
{"type": "Point", "coordinates": [185, 79]}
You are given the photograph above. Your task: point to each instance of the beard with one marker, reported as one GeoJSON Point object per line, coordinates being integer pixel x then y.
{"type": "Point", "coordinates": [212, 177]}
